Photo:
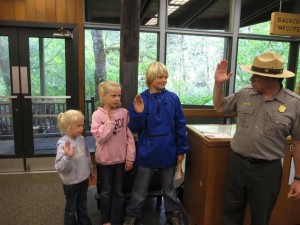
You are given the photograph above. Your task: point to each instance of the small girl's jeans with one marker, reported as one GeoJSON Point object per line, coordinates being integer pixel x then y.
{"type": "Point", "coordinates": [76, 204]}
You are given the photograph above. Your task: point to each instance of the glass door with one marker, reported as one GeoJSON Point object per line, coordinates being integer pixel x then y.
{"type": "Point", "coordinates": [35, 86]}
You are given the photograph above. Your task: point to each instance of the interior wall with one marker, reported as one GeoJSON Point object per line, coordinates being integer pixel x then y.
{"type": "Point", "coordinates": [57, 11]}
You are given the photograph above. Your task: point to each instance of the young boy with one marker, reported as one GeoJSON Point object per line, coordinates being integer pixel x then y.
{"type": "Point", "coordinates": [156, 116]}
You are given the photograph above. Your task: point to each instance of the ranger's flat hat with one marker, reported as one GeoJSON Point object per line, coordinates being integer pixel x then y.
{"type": "Point", "coordinates": [268, 64]}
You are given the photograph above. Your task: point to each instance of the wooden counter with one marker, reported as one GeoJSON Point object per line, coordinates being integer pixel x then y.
{"type": "Point", "coordinates": [205, 171]}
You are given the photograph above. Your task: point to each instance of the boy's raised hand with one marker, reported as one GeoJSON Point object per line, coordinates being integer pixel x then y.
{"type": "Point", "coordinates": [138, 104]}
{"type": "Point", "coordinates": [68, 149]}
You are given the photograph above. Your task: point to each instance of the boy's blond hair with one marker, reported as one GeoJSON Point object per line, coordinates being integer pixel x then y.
{"type": "Point", "coordinates": [154, 70]}
{"type": "Point", "coordinates": [106, 87]}
{"type": "Point", "coordinates": [68, 118]}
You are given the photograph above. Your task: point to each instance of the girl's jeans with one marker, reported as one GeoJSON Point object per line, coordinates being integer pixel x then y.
{"type": "Point", "coordinates": [76, 204]}
{"type": "Point", "coordinates": [112, 196]}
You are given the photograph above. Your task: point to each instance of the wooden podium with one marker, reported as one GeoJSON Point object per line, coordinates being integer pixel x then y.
{"type": "Point", "coordinates": [205, 171]}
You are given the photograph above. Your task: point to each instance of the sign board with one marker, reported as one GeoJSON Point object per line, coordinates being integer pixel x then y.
{"type": "Point", "coordinates": [285, 24]}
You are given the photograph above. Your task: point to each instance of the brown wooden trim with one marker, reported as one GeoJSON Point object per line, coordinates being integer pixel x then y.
{"type": "Point", "coordinates": [79, 21]}
{"type": "Point", "coordinates": [205, 113]}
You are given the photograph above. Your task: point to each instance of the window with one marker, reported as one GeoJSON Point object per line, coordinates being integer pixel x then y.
{"type": "Point", "coordinates": [191, 61]}
{"type": "Point", "coordinates": [261, 29]}
{"type": "Point", "coordinates": [102, 58]}
{"type": "Point", "coordinates": [5, 84]}
{"type": "Point", "coordinates": [248, 49]}
{"type": "Point", "coordinates": [108, 12]}
{"type": "Point", "coordinates": [47, 66]}
{"type": "Point", "coordinates": [147, 54]}
{"type": "Point", "coordinates": [102, 11]}
{"type": "Point", "coordinates": [199, 14]}
{"type": "Point", "coordinates": [255, 13]}
{"type": "Point", "coordinates": [192, 37]}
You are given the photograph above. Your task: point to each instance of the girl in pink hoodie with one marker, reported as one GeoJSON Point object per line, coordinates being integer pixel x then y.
{"type": "Point", "coordinates": [115, 150]}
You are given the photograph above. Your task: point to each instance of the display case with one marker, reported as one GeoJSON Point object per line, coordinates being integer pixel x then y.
{"type": "Point", "coordinates": [205, 171]}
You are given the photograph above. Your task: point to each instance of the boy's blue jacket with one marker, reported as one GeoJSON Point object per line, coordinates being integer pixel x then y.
{"type": "Point", "coordinates": [161, 130]}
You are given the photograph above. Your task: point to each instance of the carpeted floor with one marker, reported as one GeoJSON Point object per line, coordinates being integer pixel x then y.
{"type": "Point", "coordinates": [38, 199]}
{"type": "Point", "coordinates": [31, 199]}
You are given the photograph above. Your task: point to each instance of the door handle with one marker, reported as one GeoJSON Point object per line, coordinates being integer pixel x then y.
{"type": "Point", "coordinates": [24, 79]}
{"type": "Point", "coordinates": [15, 79]}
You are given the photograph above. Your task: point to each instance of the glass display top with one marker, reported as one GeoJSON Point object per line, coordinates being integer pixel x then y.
{"type": "Point", "coordinates": [215, 131]}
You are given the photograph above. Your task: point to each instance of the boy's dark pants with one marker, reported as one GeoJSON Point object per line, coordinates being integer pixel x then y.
{"type": "Point", "coordinates": [140, 189]}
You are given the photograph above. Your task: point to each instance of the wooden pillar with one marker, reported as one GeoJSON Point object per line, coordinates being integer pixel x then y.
{"type": "Point", "coordinates": [129, 49]}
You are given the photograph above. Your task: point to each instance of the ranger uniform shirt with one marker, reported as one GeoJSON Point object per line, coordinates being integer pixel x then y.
{"type": "Point", "coordinates": [263, 125]}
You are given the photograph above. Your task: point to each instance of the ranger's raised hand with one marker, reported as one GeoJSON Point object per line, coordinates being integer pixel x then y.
{"type": "Point", "coordinates": [221, 75]}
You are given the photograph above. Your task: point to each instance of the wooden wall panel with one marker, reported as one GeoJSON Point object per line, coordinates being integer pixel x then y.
{"type": "Point", "coordinates": [40, 6]}
{"type": "Point", "coordinates": [70, 11]}
{"type": "Point", "coordinates": [7, 10]}
{"type": "Point", "coordinates": [20, 7]}
{"type": "Point", "coordinates": [79, 12]}
{"type": "Point", "coordinates": [30, 10]}
{"type": "Point", "coordinates": [60, 11]}
{"type": "Point", "coordinates": [2, 5]}
{"type": "Point", "coordinates": [50, 11]}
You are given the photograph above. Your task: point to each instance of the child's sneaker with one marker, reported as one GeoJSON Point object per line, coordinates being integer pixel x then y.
{"type": "Point", "coordinates": [130, 220]}
{"type": "Point", "coordinates": [174, 219]}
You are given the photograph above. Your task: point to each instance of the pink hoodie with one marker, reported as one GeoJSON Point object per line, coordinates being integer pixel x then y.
{"type": "Point", "coordinates": [114, 140]}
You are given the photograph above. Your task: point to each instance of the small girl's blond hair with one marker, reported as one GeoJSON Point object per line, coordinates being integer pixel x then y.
{"type": "Point", "coordinates": [106, 87]}
{"type": "Point", "coordinates": [154, 70]}
{"type": "Point", "coordinates": [68, 118]}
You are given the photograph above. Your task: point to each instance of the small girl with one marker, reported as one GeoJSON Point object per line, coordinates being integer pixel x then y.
{"type": "Point", "coordinates": [115, 150]}
{"type": "Point", "coordinates": [74, 166]}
